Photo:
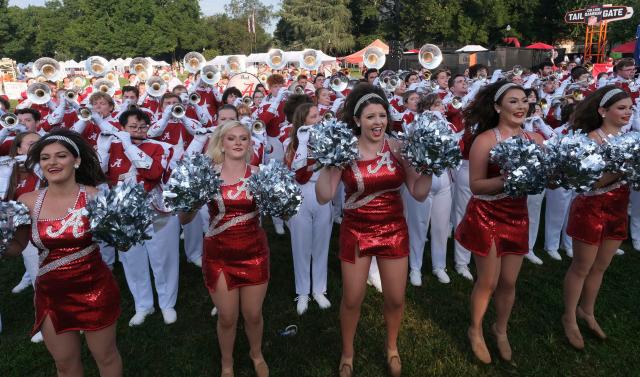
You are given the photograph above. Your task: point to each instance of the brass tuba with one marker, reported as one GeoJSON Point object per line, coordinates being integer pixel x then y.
{"type": "Point", "coordinates": [310, 60]}
{"type": "Point", "coordinates": [275, 59]}
{"type": "Point", "coordinates": [193, 62]}
{"type": "Point", "coordinates": [430, 56]}
{"type": "Point", "coordinates": [49, 68]}
{"type": "Point", "coordinates": [96, 66]}
{"type": "Point", "coordinates": [156, 86]}
{"type": "Point", "coordinates": [235, 64]}
{"type": "Point", "coordinates": [373, 57]}
{"type": "Point", "coordinates": [141, 67]}
{"type": "Point", "coordinates": [39, 93]}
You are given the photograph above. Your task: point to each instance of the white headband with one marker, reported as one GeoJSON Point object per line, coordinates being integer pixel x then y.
{"type": "Point", "coordinates": [608, 95]}
{"type": "Point", "coordinates": [66, 140]}
{"type": "Point", "coordinates": [503, 89]}
{"type": "Point", "coordinates": [364, 98]}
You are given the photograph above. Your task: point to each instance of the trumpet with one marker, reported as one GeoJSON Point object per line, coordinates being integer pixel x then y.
{"type": "Point", "coordinates": [156, 86]}
{"type": "Point", "coordinates": [210, 75]}
{"type": "Point", "coordinates": [177, 111]}
{"type": "Point", "coordinates": [310, 60]}
{"type": "Point", "coordinates": [427, 75]}
{"type": "Point", "coordinates": [275, 59]}
{"type": "Point", "coordinates": [71, 95]}
{"type": "Point", "coordinates": [577, 95]}
{"type": "Point", "coordinates": [39, 93]}
{"type": "Point", "coordinates": [141, 67]}
{"type": "Point", "coordinates": [193, 62]}
{"type": "Point", "coordinates": [456, 102]}
{"type": "Point", "coordinates": [298, 90]}
{"type": "Point", "coordinates": [235, 64]}
{"type": "Point", "coordinates": [132, 106]}
{"type": "Point", "coordinates": [194, 98]}
{"type": "Point", "coordinates": [8, 120]}
{"type": "Point", "coordinates": [389, 82]}
{"type": "Point", "coordinates": [247, 100]}
{"type": "Point", "coordinates": [258, 127]}
{"type": "Point", "coordinates": [338, 82]}
{"type": "Point", "coordinates": [105, 86]}
{"type": "Point", "coordinates": [96, 66]}
{"type": "Point", "coordinates": [49, 68]}
{"type": "Point", "coordinates": [84, 113]}
{"type": "Point", "coordinates": [374, 57]}
{"type": "Point", "coordinates": [430, 56]}
{"type": "Point", "coordinates": [329, 115]}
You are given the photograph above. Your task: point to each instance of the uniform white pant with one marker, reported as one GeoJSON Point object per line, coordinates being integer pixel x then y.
{"type": "Point", "coordinates": [634, 213]}
{"type": "Point", "coordinates": [555, 219]}
{"type": "Point", "coordinates": [461, 197]}
{"type": "Point", "coordinates": [108, 254]}
{"type": "Point", "coordinates": [310, 235]}
{"type": "Point", "coordinates": [276, 152]}
{"type": "Point", "coordinates": [193, 237]}
{"type": "Point", "coordinates": [338, 200]}
{"type": "Point", "coordinates": [534, 207]}
{"type": "Point", "coordinates": [436, 210]}
{"type": "Point", "coordinates": [161, 251]}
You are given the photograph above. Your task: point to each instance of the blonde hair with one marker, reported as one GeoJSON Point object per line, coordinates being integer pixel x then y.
{"type": "Point", "coordinates": [215, 151]}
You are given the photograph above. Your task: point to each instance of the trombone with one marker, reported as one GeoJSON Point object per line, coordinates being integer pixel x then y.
{"type": "Point", "coordinates": [84, 113]}
{"type": "Point", "coordinates": [275, 59]}
{"type": "Point", "coordinates": [71, 95]}
{"type": "Point", "coordinates": [49, 68]}
{"type": "Point", "coordinates": [105, 86]}
{"type": "Point", "coordinates": [96, 66]}
{"type": "Point", "coordinates": [156, 86]}
{"type": "Point", "coordinates": [374, 58]}
{"type": "Point", "coordinates": [430, 56]}
{"type": "Point", "coordinates": [141, 67]}
{"type": "Point", "coordinates": [193, 62]}
{"type": "Point", "coordinates": [310, 60]}
{"type": "Point", "coordinates": [39, 93]}
{"type": "Point", "coordinates": [210, 75]}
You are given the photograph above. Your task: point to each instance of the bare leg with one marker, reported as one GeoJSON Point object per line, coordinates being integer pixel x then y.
{"type": "Point", "coordinates": [354, 284]}
{"type": "Point", "coordinates": [251, 299]}
{"type": "Point", "coordinates": [103, 347]}
{"type": "Point", "coordinates": [503, 298]}
{"type": "Point", "coordinates": [64, 348]}
{"type": "Point", "coordinates": [393, 273]}
{"type": "Point", "coordinates": [228, 303]}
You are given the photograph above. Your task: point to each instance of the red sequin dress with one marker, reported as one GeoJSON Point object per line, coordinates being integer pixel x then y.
{"type": "Point", "coordinates": [498, 219]}
{"type": "Point", "coordinates": [74, 287]}
{"type": "Point", "coordinates": [601, 214]}
{"type": "Point", "coordinates": [373, 219]}
{"type": "Point", "coordinates": [235, 245]}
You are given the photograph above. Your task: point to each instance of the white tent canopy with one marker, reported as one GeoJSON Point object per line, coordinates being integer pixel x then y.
{"type": "Point", "coordinates": [471, 48]}
{"type": "Point", "coordinates": [292, 57]}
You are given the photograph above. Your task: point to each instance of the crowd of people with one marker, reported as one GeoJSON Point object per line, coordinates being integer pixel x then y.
{"type": "Point", "coordinates": [63, 141]}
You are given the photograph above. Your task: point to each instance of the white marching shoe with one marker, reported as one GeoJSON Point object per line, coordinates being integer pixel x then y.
{"type": "Point", "coordinates": [533, 258]}
{"type": "Point", "coordinates": [37, 338]}
{"type": "Point", "coordinates": [169, 315]}
{"type": "Point", "coordinates": [442, 276]}
{"type": "Point", "coordinates": [463, 270]}
{"type": "Point", "coordinates": [139, 317]}
{"type": "Point", "coordinates": [303, 304]}
{"type": "Point", "coordinates": [415, 278]}
{"type": "Point", "coordinates": [322, 300]}
{"type": "Point", "coordinates": [279, 228]}
{"type": "Point", "coordinates": [554, 254]}
{"type": "Point", "coordinates": [24, 284]}
{"type": "Point", "coordinates": [374, 280]}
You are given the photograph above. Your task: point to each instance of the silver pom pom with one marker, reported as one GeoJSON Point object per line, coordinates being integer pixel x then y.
{"type": "Point", "coordinates": [523, 164]}
{"type": "Point", "coordinates": [332, 143]}
{"type": "Point", "coordinates": [618, 150]}
{"type": "Point", "coordinates": [430, 146]}
{"type": "Point", "coordinates": [120, 216]}
{"type": "Point", "coordinates": [12, 215]}
{"type": "Point", "coordinates": [193, 183]}
{"type": "Point", "coordinates": [574, 161]}
{"type": "Point", "coordinates": [275, 190]}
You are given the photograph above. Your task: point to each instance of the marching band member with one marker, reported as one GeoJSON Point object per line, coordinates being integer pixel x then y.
{"type": "Point", "coordinates": [370, 75]}
{"type": "Point", "coordinates": [458, 88]}
{"type": "Point", "coordinates": [433, 213]}
{"type": "Point", "coordinates": [373, 223]}
{"type": "Point", "coordinates": [193, 110]}
{"type": "Point", "coordinates": [231, 95]}
{"type": "Point", "coordinates": [410, 99]}
{"type": "Point", "coordinates": [598, 219]}
{"type": "Point", "coordinates": [65, 114]}
{"type": "Point", "coordinates": [101, 119]}
{"type": "Point", "coordinates": [396, 100]}
{"type": "Point", "coordinates": [130, 156]}
{"type": "Point", "coordinates": [236, 252]}
{"type": "Point", "coordinates": [323, 100]}
{"type": "Point", "coordinates": [494, 227]}
{"type": "Point", "coordinates": [441, 77]}
{"type": "Point", "coordinates": [177, 131]}
{"type": "Point", "coordinates": [130, 97]}
{"type": "Point", "coordinates": [311, 227]}
{"type": "Point", "coordinates": [74, 290]}
{"type": "Point", "coordinates": [27, 122]}
{"type": "Point", "coordinates": [623, 75]}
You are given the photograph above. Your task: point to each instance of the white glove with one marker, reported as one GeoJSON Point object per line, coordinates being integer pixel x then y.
{"type": "Point", "coordinates": [496, 75]}
{"type": "Point", "coordinates": [124, 137]}
{"type": "Point", "coordinates": [4, 133]}
{"type": "Point", "coordinates": [203, 131]}
{"type": "Point", "coordinates": [166, 113]}
{"type": "Point", "coordinates": [238, 101]}
{"type": "Point", "coordinates": [105, 126]}
{"type": "Point", "coordinates": [56, 116]}
{"type": "Point", "coordinates": [337, 104]}
{"type": "Point", "coordinates": [303, 134]}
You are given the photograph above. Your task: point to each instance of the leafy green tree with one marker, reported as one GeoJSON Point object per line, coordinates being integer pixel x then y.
{"type": "Point", "coordinates": [242, 9]}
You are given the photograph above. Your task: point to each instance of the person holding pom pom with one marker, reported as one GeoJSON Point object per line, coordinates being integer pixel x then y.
{"type": "Point", "coordinates": [235, 260]}
{"type": "Point", "coordinates": [373, 223]}
{"type": "Point", "coordinates": [597, 218]}
{"type": "Point", "coordinates": [495, 226]}
{"type": "Point", "coordinates": [75, 290]}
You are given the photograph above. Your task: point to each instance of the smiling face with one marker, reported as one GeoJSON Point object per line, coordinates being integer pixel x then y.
{"type": "Point", "coordinates": [513, 107]}
{"type": "Point", "coordinates": [619, 113]}
{"type": "Point", "coordinates": [57, 163]}
{"type": "Point", "coordinates": [373, 122]}
{"type": "Point", "coordinates": [236, 142]}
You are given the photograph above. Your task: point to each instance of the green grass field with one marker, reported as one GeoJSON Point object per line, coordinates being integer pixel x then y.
{"type": "Point", "coordinates": [432, 342]}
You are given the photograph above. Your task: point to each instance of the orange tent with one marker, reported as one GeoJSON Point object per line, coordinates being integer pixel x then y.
{"type": "Point", "coordinates": [356, 57]}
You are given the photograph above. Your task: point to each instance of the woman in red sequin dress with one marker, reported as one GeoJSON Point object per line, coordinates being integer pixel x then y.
{"type": "Point", "coordinates": [235, 259]}
{"type": "Point", "coordinates": [74, 291]}
{"type": "Point", "coordinates": [495, 227]}
{"type": "Point", "coordinates": [373, 222]}
{"type": "Point", "coordinates": [598, 218]}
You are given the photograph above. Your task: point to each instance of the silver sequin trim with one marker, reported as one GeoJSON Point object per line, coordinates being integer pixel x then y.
{"type": "Point", "coordinates": [604, 190]}
{"type": "Point", "coordinates": [66, 259]}
{"type": "Point", "coordinates": [235, 221]}
{"type": "Point", "coordinates": [489, 198]}
{"type": "Point", "coordinates": [221, 211]}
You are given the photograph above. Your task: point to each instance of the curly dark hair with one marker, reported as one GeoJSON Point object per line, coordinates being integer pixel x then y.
{"type": "Point", "coordinates": [482, 112]}
{"type": "Point", "coordinates": [586, 117]}
{"type": "Point", "coordinates": [292, 104]}
{"type": "Point", "coordinates": [229, 91]}
{"type": "Point", "coordinates": [354, 96]}
{"type": "Point", "coordinates": [89, 173]}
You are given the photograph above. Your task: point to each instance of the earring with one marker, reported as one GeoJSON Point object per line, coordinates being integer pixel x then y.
{"type": "Point", "coordinates": [358, 125]}
{"type": "Point", "coordinates": [603, 115]}
{"type": "Point", "coordinates": [498, 111]}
